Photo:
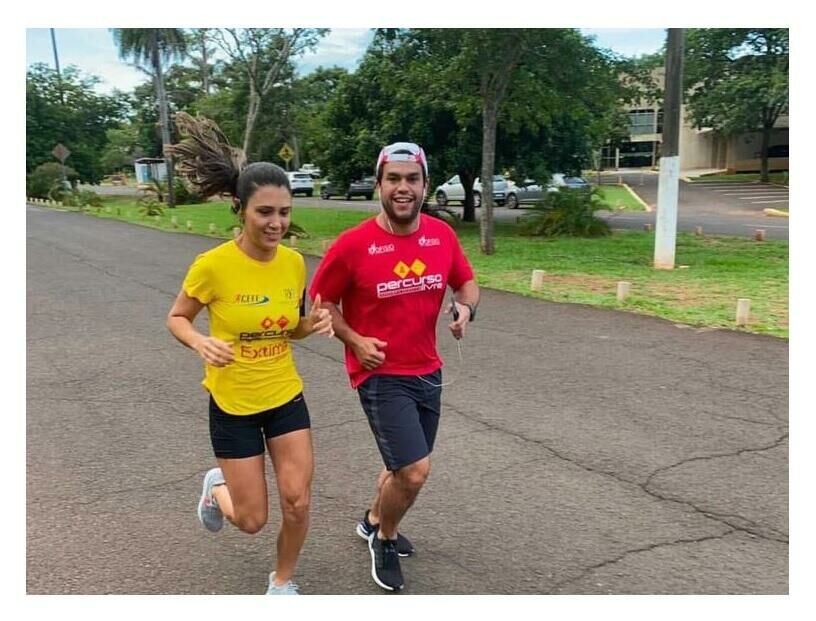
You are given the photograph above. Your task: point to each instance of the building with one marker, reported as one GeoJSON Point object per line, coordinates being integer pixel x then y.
{"type": "Point", "coordinates": [699, 148]}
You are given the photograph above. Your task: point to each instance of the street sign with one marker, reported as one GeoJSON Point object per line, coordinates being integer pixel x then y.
{"type": "Point", "coordinates": [286, 153]}
{"type": "Point", "coordinates": [61, 152]}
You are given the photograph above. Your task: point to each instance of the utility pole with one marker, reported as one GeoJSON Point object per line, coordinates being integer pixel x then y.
{"type": "Point", "coordinates": [669, 180]}
{"type": "Point", "coordinates": [56, 62]}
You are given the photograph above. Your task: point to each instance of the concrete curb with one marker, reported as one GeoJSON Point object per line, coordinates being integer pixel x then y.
{"type": "Point", "coordinates": [638, 199]}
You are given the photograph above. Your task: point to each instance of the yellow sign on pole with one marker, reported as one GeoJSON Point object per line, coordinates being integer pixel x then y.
{"type": "Point", "coordinates": [286, 153]}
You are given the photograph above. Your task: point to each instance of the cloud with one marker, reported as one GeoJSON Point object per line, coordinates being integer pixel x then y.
{"type": "Point", "coordinates": [343, 47]}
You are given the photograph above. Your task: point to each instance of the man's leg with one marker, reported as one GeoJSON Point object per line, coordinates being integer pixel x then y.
{"type": "Point", "coordinates": [398, 493]}
{"type": "Point", "coordinates": [374, 512]}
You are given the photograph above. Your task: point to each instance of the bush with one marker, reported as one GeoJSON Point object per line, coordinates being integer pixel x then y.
{"type": "Point", "coordinates": [84, 199]}
{"type": "Point", "coordinates": [185, 193]}
{"type": "Point", "coordinates": [46, 181]}
{"type": "Point", "coordinates": [569, 212]}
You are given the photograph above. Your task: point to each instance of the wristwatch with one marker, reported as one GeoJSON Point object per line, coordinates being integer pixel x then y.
{"type": "Point", "coordinates": [472, 308]}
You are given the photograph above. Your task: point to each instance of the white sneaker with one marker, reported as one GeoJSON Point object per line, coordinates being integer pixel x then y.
{"type": "Point", "coordinates": [287, 588]}
{"type": "Point", "coordinates": [209, 514]}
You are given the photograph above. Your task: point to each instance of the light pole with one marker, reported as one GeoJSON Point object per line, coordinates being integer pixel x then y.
{"type": "Point", "coordinates": [669, 180]}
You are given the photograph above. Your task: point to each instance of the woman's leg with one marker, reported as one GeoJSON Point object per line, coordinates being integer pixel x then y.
{"type": "Point", "coordinates": [243, 498]}
{"type": "Point", "coordinates": [293, 461]}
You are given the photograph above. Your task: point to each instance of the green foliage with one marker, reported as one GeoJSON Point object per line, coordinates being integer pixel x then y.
{"type": "Point", "coordinates": [83, 199]}
{"type": "Point", "coordinates": [569, 212]}
{"type": "Point", "coordinates": [68, 111]}
{"type": "Point", "coordinates": [737, 78]}
{"type": "Point", "coordinates": [46, 181]}
{"type": "Point", "coordinates": [149, 205]}
{"type": "Point", "coordinates": [185, 193]}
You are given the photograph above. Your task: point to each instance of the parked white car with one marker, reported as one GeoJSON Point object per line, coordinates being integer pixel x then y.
{"type": "Point", "coordinates": [453, 190]}
{"type": "Point", "coordinates": [313, 170]}
{"type": "Point", "coordinates": [301, 183]}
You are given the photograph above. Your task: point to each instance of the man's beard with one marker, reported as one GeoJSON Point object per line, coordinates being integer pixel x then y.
{"type": "Point", "coordinates": [398, 219]}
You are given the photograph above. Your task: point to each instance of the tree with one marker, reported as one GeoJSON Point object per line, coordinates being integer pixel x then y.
{"type": "Point", "coordinates": [522, 80]}
{"type": "Point", "coordinates": [264, 55]}
{"type": "Point", "coordinates": [71, 112]}
{"type": "Point", "coordinates": [123, 147]}
{"type": "Point", "coordinates": [200, 52]}
{"type": "Point", "coordinates": [737, 80]}
{"type": "Point", "coordinates": [152, 46]}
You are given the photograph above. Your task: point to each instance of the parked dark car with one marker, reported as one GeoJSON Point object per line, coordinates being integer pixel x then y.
{"type": "Point", "coordinates": [362, 187]}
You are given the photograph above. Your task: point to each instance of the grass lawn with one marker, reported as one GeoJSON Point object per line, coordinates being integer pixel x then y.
{"type": "Point", "coordinates": [704, 293]}
{"type": "Point", "coordinates": [781, 178]}
{"type": "Point", "coordinates": [617, 197]}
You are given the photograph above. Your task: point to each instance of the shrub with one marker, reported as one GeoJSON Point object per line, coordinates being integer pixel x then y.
{"type": "Point", "coordinates": [84, 199]}
{"type": "Point", "coordinates": [569, 212]}
{"type": "Point", "coordinates": [46, 181]}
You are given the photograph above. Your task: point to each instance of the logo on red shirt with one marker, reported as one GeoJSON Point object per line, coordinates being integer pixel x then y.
{"type": "Point", "coordinates": [418, 283]}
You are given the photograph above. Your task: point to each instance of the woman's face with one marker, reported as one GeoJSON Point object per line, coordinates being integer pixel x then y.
{"type": "Point", "coordinates": [267, 216]}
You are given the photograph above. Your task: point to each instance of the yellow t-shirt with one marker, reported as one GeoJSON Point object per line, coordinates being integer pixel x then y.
{"type": "Point", "coordinates": [255, 306]}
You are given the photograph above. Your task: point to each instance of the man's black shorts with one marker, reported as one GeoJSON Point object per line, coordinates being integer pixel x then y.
{"type": "Point", "coordinates": [403, 412]}
{"type": "Point", "coordinates": [235, 437]}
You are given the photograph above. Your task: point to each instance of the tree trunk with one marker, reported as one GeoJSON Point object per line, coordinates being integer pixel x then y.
{"type": "Point", "coordinates": [252, 116]}
{"type": "Point", "coordinates": [205, 69]}
{"type": "Point", "coordinates": [164, 117]}
{"type": "Point", "coordinates": [763, 153]}
{"type": "Point", "coordinates": [489, 119]}
{"type": "Point", "coordinates": [469, 210]}
{"type": "Point", "coordinates": [296, 149]}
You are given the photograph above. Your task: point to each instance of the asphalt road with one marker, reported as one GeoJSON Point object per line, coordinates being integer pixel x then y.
{"type": "Point", "coordinates": [581, 451]}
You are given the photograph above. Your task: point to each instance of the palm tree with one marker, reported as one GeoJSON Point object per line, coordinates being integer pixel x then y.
{"type": "Point", "coordinates": [152, 46]}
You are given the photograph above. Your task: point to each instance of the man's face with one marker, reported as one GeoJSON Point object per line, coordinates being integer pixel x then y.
{"type": "Point", "coordinates": [402, 191]}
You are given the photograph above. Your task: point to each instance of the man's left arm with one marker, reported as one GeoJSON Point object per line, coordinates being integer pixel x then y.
{"type": "Point", "coordinates": [466, 299]}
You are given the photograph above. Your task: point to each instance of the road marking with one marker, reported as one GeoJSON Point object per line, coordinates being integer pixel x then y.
{"type": "Point", "coordinates": [750, 198]}
{"type": "Point", "coordinates": [754, 191]}
{"type": "Point", "coordinates": [769, 202]}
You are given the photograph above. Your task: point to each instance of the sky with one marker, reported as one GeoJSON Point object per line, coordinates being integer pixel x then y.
{"type": "Point", "coordinates": [93, 50]}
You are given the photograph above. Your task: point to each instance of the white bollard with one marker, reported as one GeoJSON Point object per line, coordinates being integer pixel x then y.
{"type": "Point", "coordinates": [623, 290]}
{"type": "Point", "coordinates": [743, 310]}
{"type": "Point", "coordinates": [189, 225]}
{"type": "Point", "coordinates": [698, 230]}
{"type": "Point", "coordinates": [326, 244]}
{"type": "Point", "coordinates": [537, 280]}
{"type": "Point", "coordinates": [647, 227]}
{"type": "Point", "coordinates": [293, 240]}
{"type": "Point", "coordinates": [174, 222]}
{"type": "Point", "coordinates": [759, 234]}
{"type": "Point", "coordinates": [236, 231]}
{"type": "Point", "coordinates": [212, 229]}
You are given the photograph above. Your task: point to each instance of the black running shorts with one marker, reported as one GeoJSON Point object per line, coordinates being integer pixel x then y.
{"type": "Point", "coordinates": [234, 437]}
{"type": "Point", "coordinates": [403, 412]}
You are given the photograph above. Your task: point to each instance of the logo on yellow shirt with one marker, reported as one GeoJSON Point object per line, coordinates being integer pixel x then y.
{"type": "Point", "coordinates": [251, 299]}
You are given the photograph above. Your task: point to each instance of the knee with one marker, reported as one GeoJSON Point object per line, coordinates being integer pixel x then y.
{"type": "Point", "coordinates": [413, 477]}
{"type": "Point", "coordinates": [295, 507]}
{"type": "Point", "coordinates": [250, 523]}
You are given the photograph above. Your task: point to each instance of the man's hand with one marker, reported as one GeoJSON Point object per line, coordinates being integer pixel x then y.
{"type": "Point", "coordinates": [457, 327]}
{"type": "Point", "coordinates": [320, 319]}
{"type": "Point", "coordinates": [368, 351]}
{"type": "Point", "coordinates": [216, 352]}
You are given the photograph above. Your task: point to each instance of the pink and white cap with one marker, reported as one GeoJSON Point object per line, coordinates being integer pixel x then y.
{"type": "Point", "coordinates": [402, 152]}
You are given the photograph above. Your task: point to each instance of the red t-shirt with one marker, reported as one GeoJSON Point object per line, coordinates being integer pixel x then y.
{"type": "Point", "coordinates": [392, 287]}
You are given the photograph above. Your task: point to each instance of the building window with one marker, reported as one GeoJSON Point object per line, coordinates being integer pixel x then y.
{"type": "Point", "coordinates": [642, 122]}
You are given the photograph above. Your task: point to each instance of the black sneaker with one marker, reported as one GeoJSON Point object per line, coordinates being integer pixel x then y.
{"type": "Point", "coordinates": [385, 565]}
{"type": "Point", "coordinates": [365, 528]}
